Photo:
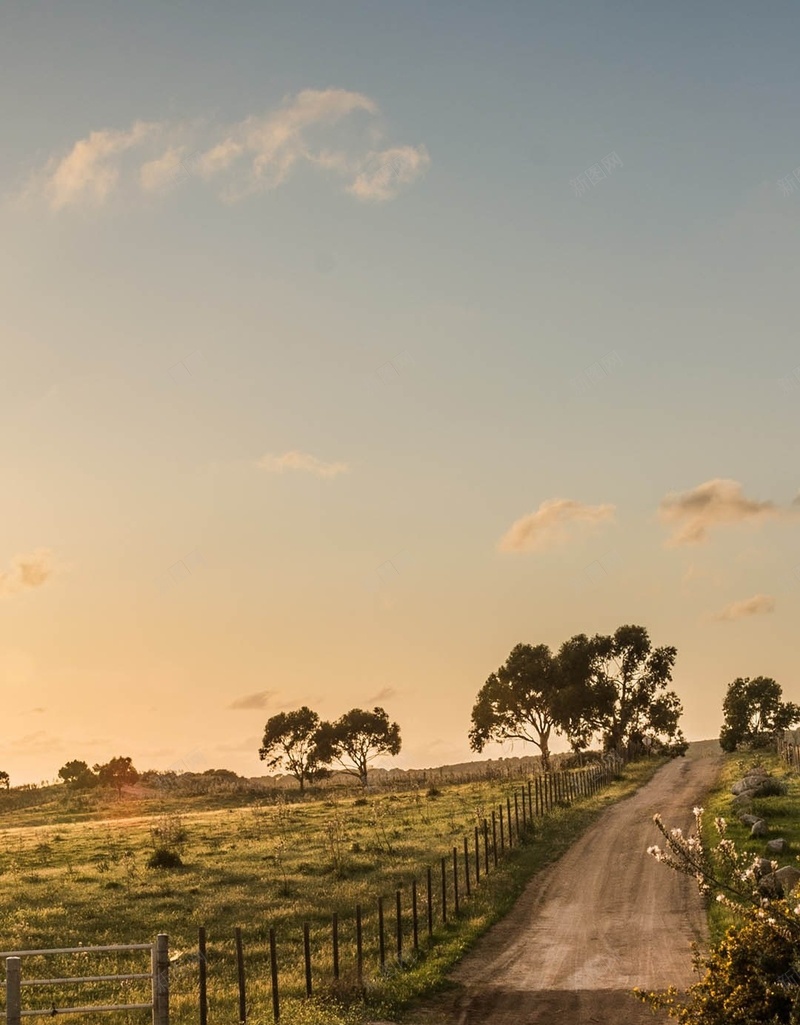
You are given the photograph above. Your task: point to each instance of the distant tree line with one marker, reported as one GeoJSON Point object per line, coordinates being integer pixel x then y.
{"type": "Point", "coordinates": [118, 773]}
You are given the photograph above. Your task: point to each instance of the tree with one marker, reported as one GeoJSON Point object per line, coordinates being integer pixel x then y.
{"type": "Point", "coordinates": [5, 780]}
{"type": "Point", "coordinates": [78, 774]}
{"type": "Point", "coordinates": [754, 713]}
{"type": "Point", "coordinates": [356, 738]}
{"type": "Point", "coordinates": [290, 739]}
{"type": "Point", "coordinates": [518, 701]}
{"type": "Point", "coordinates": [119, 772]}
{"type": "Point", "coordinates": [618, 687]}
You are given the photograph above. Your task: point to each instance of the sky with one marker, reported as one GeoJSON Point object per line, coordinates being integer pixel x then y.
{"type": "Point", "coordinates": [346, 346]}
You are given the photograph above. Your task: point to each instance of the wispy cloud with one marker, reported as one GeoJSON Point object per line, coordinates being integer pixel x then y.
{"type": "Point", "coordinates": [259, 699]}
{"type": "Point", "coordinates": [691, 514]}
{"type": "Point", "coordinates": [553, 523]}
{"type": "Point", "coordinates": [332, 130]}
{"type": "Point", "coordinates": [27, 572]}
{"type": "Point", "coordinates": [301, 461]}
{"type": "Point", "coordinates": [384, 694]}
{"type": "Point", "coordinates": [758, 605]}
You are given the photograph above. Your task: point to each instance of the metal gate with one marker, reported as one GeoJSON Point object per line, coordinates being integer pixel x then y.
{"type": "Point", "coordinates": [158, 974]}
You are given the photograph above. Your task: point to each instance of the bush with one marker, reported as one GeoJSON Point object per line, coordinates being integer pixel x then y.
{"type": "Point", "coordinates": [162, 857]}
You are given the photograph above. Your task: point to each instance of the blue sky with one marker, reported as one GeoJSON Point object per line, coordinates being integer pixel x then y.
{"type": "Point", "coordinates": [418, 285]}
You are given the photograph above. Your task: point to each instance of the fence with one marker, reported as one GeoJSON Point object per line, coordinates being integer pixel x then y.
{"type": "Point", "coordinates": [788, 747]}
{"type": "Point", "coordinates": [394, 932]}
{"type": "Point", "coordinates": [158, 975]}
{"type": "Point", "coordinates": [408, 919]}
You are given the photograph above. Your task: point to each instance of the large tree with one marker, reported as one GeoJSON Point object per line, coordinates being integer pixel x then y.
{"type": "Point", "coordinates": [5, 780]}
{"type": "Point", "coordinates": [357, 737]}
{"type": "Point", "coordinates": [519, 701]}
{"type": "Point", "coordinates": [118, 772]}
{"type": "Point", "coordinates": [754, 712]}
{"type": "Point", "coordinates": [78, 774]}
{"type": "Point", "coordinates": [618, 683]}
{"type": "Point", "coordinates": [291, 740]}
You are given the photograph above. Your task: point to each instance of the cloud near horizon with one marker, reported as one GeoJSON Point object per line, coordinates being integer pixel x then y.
{"type": "Point", "coordinates": [27, 572]}
{"type": "Point", "coordinates": [333, 130]}
{"type": "Point", "coordinates": [692, 514]}
{"type": "Point", "coordinates": [259, 699]}
{"type": "Point", "coordinates": [301, 461]}
{"type": "Point", "coordinates": [758, 605]}
{"type": "Point", "coordinates": [552, 525]}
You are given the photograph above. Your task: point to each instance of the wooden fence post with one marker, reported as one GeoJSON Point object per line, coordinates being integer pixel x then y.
{"type": "Point", "coordinates": [486, 847]}
{"type": "Point", "coordinates": [307, 956]}
{"type": "Point", "coordinates": [14, 992]}
{"type": "Point", "coordinates": [466, 866]}
{"type": "Point", "coordinates": [161, 980]}
{"type": "Point", "coordinates": [381, 942]}
{"type": "Point", "coordinates": [335, 931]}
{"type": "Point", "coordinates": [414, 924]}
{"type": "Point", "coordinates": [502, 837]}
{"type": "Point", "coordinates": [444, 890]}
{"type": "Point", "coordinates": [516, 814]}
{"type": "Point", "coordinates": [273, 965]}
{"type": "Point", "coordinates": [455, 881]}
{"type": "Point", "coordinates": [359, 948]}
{"type": "Point", "coordinates": [398, 909]}
{"type": "Point", "coordinates": [240, 976]}
{"type": "Point", "coordinates": [203, 970]}
{"type": "Point", "coordinates": [530, 801]}
{"type": "Point", "coordinates": [429, 883]}
{"type": "Point", "coordinates": [508, 820]}
{"type": "Point", "coordinates": [477, 858]}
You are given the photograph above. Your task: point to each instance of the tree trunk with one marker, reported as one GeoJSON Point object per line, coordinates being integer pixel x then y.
{"type": "Point", "coordinates": [545, 749]}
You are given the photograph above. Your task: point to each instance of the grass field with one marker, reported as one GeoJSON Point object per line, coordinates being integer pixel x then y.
{"type": "Point", "coordinates": [264, 865]}
{"type": "Point", "coordinates": [782, 814]}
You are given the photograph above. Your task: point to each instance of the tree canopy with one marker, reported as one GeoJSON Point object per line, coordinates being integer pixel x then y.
{"type": "Point", "coordinates": [118, 772]}
{"type": "Point", "coordinates": [5, 780]}
{"type": "Point", "coordinates": [358, 737]}
{"type": "Point", "coordinates": [754, 712]}
{"type": "Point", "coordinates": [519, 701]}
{"type": "Point", "coordinates": [617, 684]}
{"type": "Point", "coordinates": [78, 774]}
{"type": "Point", "coordinates": [291, 740]}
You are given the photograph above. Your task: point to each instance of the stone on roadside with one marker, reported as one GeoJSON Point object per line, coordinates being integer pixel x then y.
{"type": "Point", "coordinates": [759, 828]}
{"type": "Point", "coordinates": [780, 883]}
{"type": "Point", "coordinates": [777, 846]}
{"type": "Point", "coordinates": [748, 820]}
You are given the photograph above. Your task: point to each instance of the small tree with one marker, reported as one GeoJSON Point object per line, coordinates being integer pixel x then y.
{"type": "Point", "coordinates": [358, 737]}
{"type": "Point", "coordinates": [518, 701]}
{"type": "Point", "coordinates": [291, 739]}
{"type": "Point", "coordinates": [78, 774]}
{"type": "Point", "coordinates": [119, 773]}
{"type": "Point", "coordinates": [5, 780]}
{"type": "Point", "coordinates": [754, 713]}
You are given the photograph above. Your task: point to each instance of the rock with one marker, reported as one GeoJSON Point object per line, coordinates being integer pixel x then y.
{"type": "Point", "coordinates": [759, 828]}
{"type": "Point", "coordinates": [780, 883]}
{"type": "Point", "coordinates": [748, 820]}
{"type": "Point", "coordinates": [777, 846]}
{"type": "Point", "coordinates": [741, 786]}
{"type": "Point", "coordinates": [763, 868]}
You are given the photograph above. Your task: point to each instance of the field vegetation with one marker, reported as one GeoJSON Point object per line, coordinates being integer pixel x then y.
{"type": "Point", "coordinates": [267, 863]}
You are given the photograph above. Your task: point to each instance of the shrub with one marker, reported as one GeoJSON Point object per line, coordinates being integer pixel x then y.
{"type": "Point", "coordinates": [162, 857]}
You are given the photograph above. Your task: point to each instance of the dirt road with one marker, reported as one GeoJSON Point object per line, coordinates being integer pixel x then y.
{"type": "Point", "coordinates": [606, 917]}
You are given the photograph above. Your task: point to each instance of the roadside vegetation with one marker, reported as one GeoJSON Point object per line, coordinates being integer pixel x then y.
{"type": "Point", "coordinates": [278, 865]}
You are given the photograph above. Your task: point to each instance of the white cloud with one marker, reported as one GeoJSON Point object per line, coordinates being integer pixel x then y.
{"type": "Point", "coordinates": [692, 514]}
{"type": "Point", "coordinates": [759, 604]}
{"type": "Point", "coordinates": [301, 461]}
{"type": "Point", "coordinates": [27, 572]}
{"type": "Point", "coordinates": [333, 130]}
{"type": "Point", "coordinates": [552, 524]}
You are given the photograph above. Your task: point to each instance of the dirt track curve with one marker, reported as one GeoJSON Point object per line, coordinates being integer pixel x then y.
{"type": "Point", "coordinates": [604, 918]}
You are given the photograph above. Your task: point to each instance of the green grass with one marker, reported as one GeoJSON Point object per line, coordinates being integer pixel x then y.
{"type": "Point", "coordinates": [269, 865]}
{"type": "Point", "coordinates": [782, 815]}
